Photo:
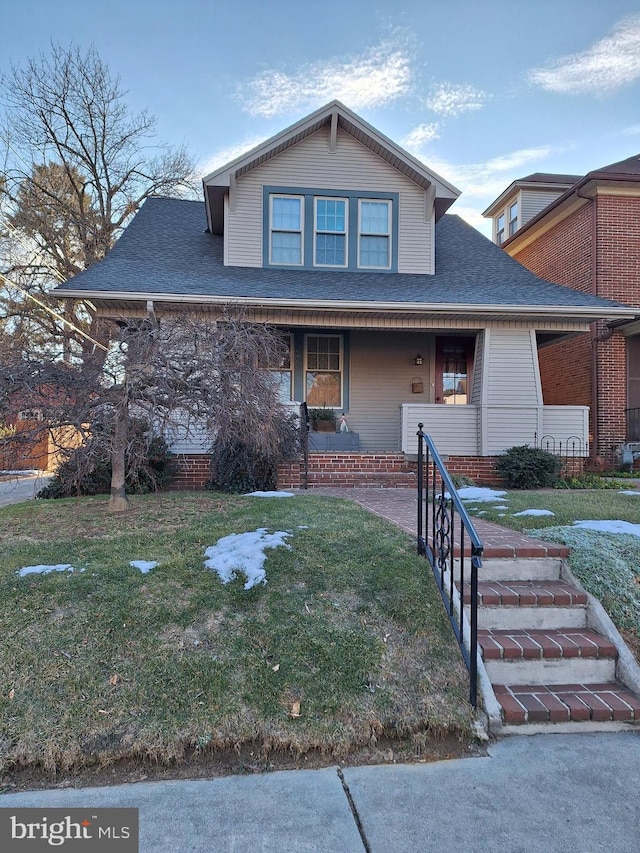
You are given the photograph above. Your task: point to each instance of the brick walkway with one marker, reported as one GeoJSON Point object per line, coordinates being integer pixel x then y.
{"type": "Point", "coordinates": [399, 506]}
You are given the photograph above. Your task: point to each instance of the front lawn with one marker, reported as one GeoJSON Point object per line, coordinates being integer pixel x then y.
{"type": "Point", "coordinates": [346, 644]}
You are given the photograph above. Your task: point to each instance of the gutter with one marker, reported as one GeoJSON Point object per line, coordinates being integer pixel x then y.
{"type": "Point", "coordinates": [615, 312]}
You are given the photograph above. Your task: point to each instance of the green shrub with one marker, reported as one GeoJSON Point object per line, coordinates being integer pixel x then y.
{"type": "Point", "coordinates": [87, 469]}
{"type": "Point", "coordinates": [525, 467]}
{"type": "Point", "coordinates": [586, 481]}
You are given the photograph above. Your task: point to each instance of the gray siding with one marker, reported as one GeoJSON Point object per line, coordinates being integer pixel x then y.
{"type": "Point", "coordinates": [352, 167]}
{"type": "Point", "coordinates": [513, 377]}
{"type": "Point", "coordinates": [478, 361]}
{"type": "Point", "coordinates": [533, 201]}
{"type": "Point", "coordinates": [454, 429]}
{"type": "Point", "coordinates": [381, 377]}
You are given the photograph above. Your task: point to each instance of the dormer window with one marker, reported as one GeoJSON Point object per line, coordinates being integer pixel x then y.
{"type": "Point", "coordinates": [513, 218]}
{"type": "Point", "coordinates": [287, 223]}
{"type": "Point", "coordinates": [330, 237]}
{"type": "Point", "coordinates": [329, 229]}
{"type": "Point", "coordinates": [500, 229]}
{"type": "Point", "coordinates": [374, 234]}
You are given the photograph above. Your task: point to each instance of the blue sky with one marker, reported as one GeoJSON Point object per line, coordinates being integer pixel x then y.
{"type": "Point", "coordinates": [482, 92]}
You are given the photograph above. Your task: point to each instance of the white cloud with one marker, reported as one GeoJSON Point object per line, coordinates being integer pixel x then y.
{"type": "Point", "coordinates": [449, 99]}
{"type": "Point", "coordinates": [612, 62]}
{"type": "Point", "coordinates": [225, 155]}
{"type": "Point", "coordinates": [376, 77]}
{"type": "Point", "coordinates": [491, 177]}
{"type": "Point", "coordinates": [420, 136]}
{"type": "Point", "coordinates": [483, 182]}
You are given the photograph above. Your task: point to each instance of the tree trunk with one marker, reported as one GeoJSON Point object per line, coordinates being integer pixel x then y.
{"type": "Point", "coordinates": [118, 502]}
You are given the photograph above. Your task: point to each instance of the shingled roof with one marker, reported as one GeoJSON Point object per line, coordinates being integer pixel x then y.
{"type": "Point", "coordinates": [166, 253]}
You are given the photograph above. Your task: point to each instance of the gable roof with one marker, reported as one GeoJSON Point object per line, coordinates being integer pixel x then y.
{"type": "Point", "coordinates": [535, 181]}
{"type": "Point", "coordinates": [624, 173]}
{"type": "Point", "coordinates": [333, 115]}
{"type": "Point", "coordinates": [167, 255]}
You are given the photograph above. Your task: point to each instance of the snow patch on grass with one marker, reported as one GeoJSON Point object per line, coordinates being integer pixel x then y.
{"type": "Point", "coordinates": [245, 553]}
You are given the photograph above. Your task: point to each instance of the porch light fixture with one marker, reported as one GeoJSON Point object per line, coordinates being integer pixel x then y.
{"type": "Point", "coordinates": [418, 360]}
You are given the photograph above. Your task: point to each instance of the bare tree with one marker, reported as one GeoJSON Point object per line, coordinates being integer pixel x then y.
{"type": "Point", "coordinates": [172, 375]}
{"type": "Point", "coordinates": [77, 164]}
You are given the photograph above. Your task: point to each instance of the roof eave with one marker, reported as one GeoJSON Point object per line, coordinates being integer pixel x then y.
{"type": "Point", "coordinates": [585, 312]}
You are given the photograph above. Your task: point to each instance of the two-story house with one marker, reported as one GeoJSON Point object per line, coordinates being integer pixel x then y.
{"type": "Point", "coordinates": [584, 232]}
{"type": "Point", "coordinates": [395, 312]}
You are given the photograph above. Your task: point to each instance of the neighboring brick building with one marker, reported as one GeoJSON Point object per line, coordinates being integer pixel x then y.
{"type": "Point", "coordinates": [584, 232]}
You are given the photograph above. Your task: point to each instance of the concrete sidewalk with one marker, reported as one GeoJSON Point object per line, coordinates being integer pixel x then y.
{"type": "Point", "coordinates": [539, 794]}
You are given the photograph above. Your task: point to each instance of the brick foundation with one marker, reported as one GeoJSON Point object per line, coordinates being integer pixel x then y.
{"type": "Point", "coordinates": [192, 473]}
{"type": "Point", "coordinates": [373, 470]}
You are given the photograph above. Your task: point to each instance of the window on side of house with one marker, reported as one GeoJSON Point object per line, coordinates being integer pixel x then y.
{"type": "Point", "coordinates": [323, 371]}
{"type": "Point", "coordinates": [374, 234]}
{"type": "Point", "coordinates": [500, 229]}
{"type": "Point", "coordinates": [330, 232]}
{"type": "Point", "coordinates": [282, 372]}
{"type": "Point", "coordinates": [513, 218]}
{"type": "Point", "coordinates": [286, 227]}
{"type": "Point", "coordinates": [30, 415]}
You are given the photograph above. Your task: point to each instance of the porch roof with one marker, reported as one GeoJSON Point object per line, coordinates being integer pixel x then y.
{"type": "Point", "coordinates": [166, 255]}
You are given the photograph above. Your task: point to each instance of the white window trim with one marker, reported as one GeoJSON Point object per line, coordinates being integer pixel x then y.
{"type": "Point", "coordinates": [316, 199]}
{"type": "Point", "coordinates": [273, 230]}
{"type": "Point", "coordinates": [499, 230]}
{"type": "Point", "coordinates": [513, 221]}
{"type": "Point", "coordinates": [306, 368]}
{"type": "Point", "coordinates": [388, 235]}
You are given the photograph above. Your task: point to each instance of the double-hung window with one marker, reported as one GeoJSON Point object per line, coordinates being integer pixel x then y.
{"type": "Point", "coordinates": [323, 377]}
{"type": "Point", "coordinates": [331, 216]}
{"type": "Point", "coordinates": [500, 229]}
{"type": "Point", "coordinates": [330, 229]}
{"type": "Point", "coordinates": [282, 370]}
{"type": "Point", "coordinates": [374, 234]}
{"type": "Point", "coordinates": [286, 245]}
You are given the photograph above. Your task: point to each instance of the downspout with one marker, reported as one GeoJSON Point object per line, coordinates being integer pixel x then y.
{"type": "Point", "coordinates": [595, 338]}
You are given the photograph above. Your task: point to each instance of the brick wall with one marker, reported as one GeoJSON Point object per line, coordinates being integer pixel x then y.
{"type": "Point", "coordinates": [192, 473]}
{"type": "Point", "coordinates": [565, 255]}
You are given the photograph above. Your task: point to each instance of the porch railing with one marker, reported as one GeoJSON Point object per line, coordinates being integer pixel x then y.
{"type": "Point", "coordinates": [448, 538]}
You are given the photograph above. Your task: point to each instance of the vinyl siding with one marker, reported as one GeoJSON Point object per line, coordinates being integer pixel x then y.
{"type": "Point", "coordinates": [533, 201]}
{"type": "Point", "coordinates": [565, 429]}
{"type": "Point", "coordinates": [352, 167]}
{"type": "Point", "coordinates": [476, 388]}
{"type": "Point", "coordinates": [512, 376]}
{"type": "Point", "coordinates": [454, 429]}
{"type": "Point", "coordinates": [381, 376]}
{"type": "Point", "coordinates": [509, 426]}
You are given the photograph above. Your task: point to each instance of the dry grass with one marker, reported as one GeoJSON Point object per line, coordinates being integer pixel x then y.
{"type": "Point", "coordinates": [347, 643]}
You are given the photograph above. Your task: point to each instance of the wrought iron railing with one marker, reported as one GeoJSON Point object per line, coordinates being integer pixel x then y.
{"type": "Point", "coordinates": [571, 450]}
{"type": "Point", "coordinates": [448, 538]}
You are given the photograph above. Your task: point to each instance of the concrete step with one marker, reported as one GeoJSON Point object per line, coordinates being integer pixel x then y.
{"type": "Point", "coordinates": [557, 656]}
{"type": "Point", "coordinates": [534, 617]}
{"type": "Point", "coordinates": [518, 568]}
{"type": "Point", "coordinates": [598, 702]}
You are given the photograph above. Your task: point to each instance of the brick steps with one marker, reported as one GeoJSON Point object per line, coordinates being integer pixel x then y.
{"type": "Point", "coordinates": [545, 665]}
{"type": "Point", "coordinates": [562, 703]}
{"type": "Point", "coordinates": [521, 593]}
{"type": "Point", "coordinates": [552, 644]}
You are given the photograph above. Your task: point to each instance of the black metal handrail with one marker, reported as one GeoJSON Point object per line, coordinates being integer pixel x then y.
{"type": "Point", "coordinates": [441, 511]}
